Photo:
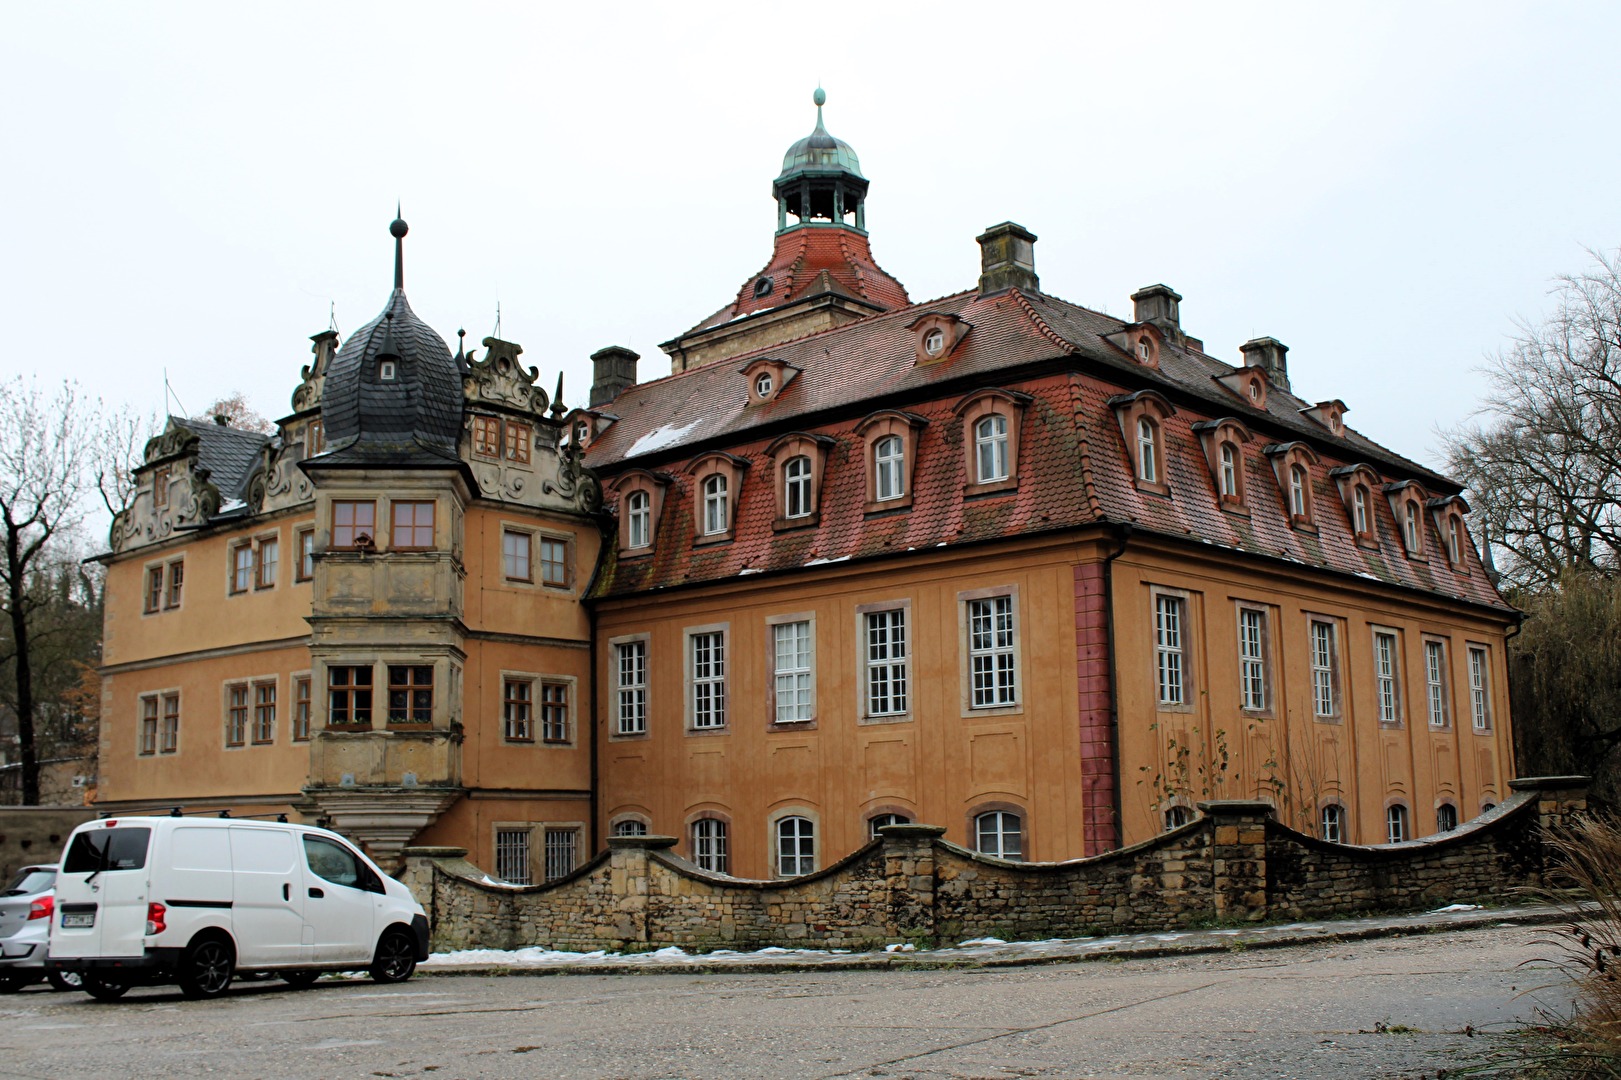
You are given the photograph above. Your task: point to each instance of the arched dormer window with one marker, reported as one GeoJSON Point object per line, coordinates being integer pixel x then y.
{"type": "Point", "coordinates": [797, 462]}
{"type": "Point", "coordinates": [1142, 419]}
{"type": "Point", "coordinates": [1357, 484]}
{"type": "Point", "coordinates": [1448, 513]}
{"type": "Point", "coordinates": [992, 420]}
{"type": "Point", "coordinates": [1292, 464]}
{"type": "Point", "coordinates": [767, 378]}
{"type": "Point", "coordinates": [641, 497]}
{"type": "Point", "coordinates": [938, 334]}
{"type": "Point", "coordinates": [717, 484]}
{"type": "Point", "coordinates": [1407, 501]}
{"type": "Point", "coordinates": [891, 439]}
{"type": "Point", "coordinates": [1223, 441]}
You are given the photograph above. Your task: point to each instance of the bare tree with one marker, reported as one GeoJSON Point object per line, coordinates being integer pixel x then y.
{"type": "Point", "coordinates": [45, 457]}
{"type": "Point", "coordinates": [1543, 461]}
{"type": "Point", "coordinates": [235, 408]}
{"type": "Point", "coordinates": [118, 452]}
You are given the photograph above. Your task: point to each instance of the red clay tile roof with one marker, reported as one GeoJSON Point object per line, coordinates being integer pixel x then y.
{"type": "Point", "coordinates": [800, 257]}
{"type": "Point", "coordinates": [1073, 467]}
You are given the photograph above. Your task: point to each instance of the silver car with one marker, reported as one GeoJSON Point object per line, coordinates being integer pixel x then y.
{"type": "Point", "coordinates": [26, 907]}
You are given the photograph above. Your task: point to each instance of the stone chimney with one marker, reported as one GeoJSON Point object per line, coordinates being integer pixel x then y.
{"type": "Point", "coordinates": [1160, 305]}
{"type": "Point", "coordinates": [1271, 356]}
{"type": "Point", "coordinates": [1007, 259]}
{"type": "Point", "coordinates": [613, 372]}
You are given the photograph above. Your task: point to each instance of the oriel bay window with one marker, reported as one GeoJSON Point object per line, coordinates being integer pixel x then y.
{"type": "Point", "coordinates": [410, 694]}
{"type": "Point", "coordinates": [354, 523]}
{"type": "Point", "coordinates": [349, 689]}
{"type": "Point", "coordinates": [412, 526]}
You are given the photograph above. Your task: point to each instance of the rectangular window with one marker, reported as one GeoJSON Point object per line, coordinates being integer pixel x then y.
{"type": "Point", "coordinates": [515, 555]}
{"type": "Point", "coordinates": [348, 696]}
{"type": "Point", "coordinates": [314, 440]}
{"type": "Point", "coordinates": [709, 845]}
{"type": "Point", "coordinates": [1435, 681]}
{"type": "Point", "coordinates": [269, 559]}
{"type": "Point", "coordinates": [792, 677]}
{"type": "Point", "coordinates": [149, 726]}
{"type": "Point", "coordinates": [512, 856]}
{"type": "Point", "coordinates": [160, 487]}
{"type": "Point", "coordinates": [413, 526]}
{"type": "Point", "coordinates": [241, 567]}
{"type": "Point", "coordinates": [630, 663]}
{"type": "Point", "coordinates": [169, 733]}
{"type": "Point", "coordinates": [1384, 677]}
{"type": "Point", "coordinates": [154, 588]}
{"type": "Point", "coordinates": [1324, 669]}
{"type": "Point", "coordinates": [306, 555]}
{"type": "Point", "coordinates": [177, 582]}
{"type": "Point", "coordinates": [264, 712]}
{"type": "Point", "coordinates": [410, 694]}
{"type": "Point", "coordinates": [560, 845]}
{"type": "Point", "coordinates": [1480, 705]}
{"type": "Point", "coordinates": [486, 436]}
{"type": "Point", "coordinates": [236, 715]}
{"type": "Point", "coordinates": [708, 679]}
{"type": "Point", "coordinates": [1169, 665]}
{"type": "Point", "coordinates": [886, 662]}
{"type": "Point", "coordinates": [301, 709]}
{"type": "Point", "coordinates": [352, 520]}
{"type": "Point", "coordinates": [518, 439]}
{"type": "Point", "coordinates": [554, 712]}
{"type": "Point", "coordinates": [990, 652]}
{"type": "Point", "coordinates": [1252, 659]}
{"type": "Point", "coordinates": [517, 710]}
{"type": "Point", "coordinates": [553, 562]}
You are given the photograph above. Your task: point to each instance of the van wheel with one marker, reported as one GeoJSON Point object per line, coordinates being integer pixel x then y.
{"type": "Point", "coordinates": [396, 957]}
{"type": "Point", "coordinates": [101, 989]}
{"type": "Point", "coordinates": [205, 969]}
{"type": "Point", "coordinates": [65, 980]}
{"type": "Point", "coordinates": [301, 979]}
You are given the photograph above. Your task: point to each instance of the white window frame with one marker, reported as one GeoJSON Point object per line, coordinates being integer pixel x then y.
{"type": "Point", "coordinates": [893, 669]}
{"type": "Point", "coordinates": [1254, 678]}
{"type": "Point", "coordinates": [1435, 683]}
{"type": "Point", "coordinates": [1398, 824]}
{"type": "Point", "coordinates": [630, 699]}
{"type": "Point", "coordinates": [992, 826]}
{"type": "Point", "coordinates": [797, 472]}
{"type": "Point", "coordinates": [1324, 665]}
{"type": "Point", "coordinates": [998, 659]}
{"type": "Point", "coordinates": [629, 826]}
{"type": "Point", "coordinates": [991, 449]}
{"type": "Point", "coordinates": [793, 687]}
{"type": "Point", "coordinates": [1299, 505]}
{"type": "Point", "coordinates": [1171, 668]}
{"type": "Point", "coordinates": [888, 817]}
{"type": "Point", "coordinates": [889, 468]}
{"type": "Point", "coordinates": [1410, 526]}
{"type": "Point", "coordinates": [706, 676]}
{"type": "Point", "coordinates": [1228, 457]}
{"type": "Point", "coordinates": [794, 840]}
{"type": "Point", "coordinates": [1480, 696]}
{"type": "Point", "coordinates": [638, 519]}
{"type": "Point", "coordinates": [710, 843]}
{"type": "Point", "coordinates": [510, 553]}
{"type": "Point", "coordinates": [1387, 699]}
{"type": "Point", "coordinates": [716, 505]}
{"type": "Point", "coordinates": [1359, 503]}
{"type": "Point", "coordinates": [1147, 451]}
{"type": "Point", "coordinates": [1331, 823]}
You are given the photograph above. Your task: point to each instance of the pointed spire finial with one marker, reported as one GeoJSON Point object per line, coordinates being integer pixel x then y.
{"type": "Point", "coordinates": [397, 230]}
{"type": "Point", "coordinates": [820, 97]}
{"type": "Point", "coordinates": [461, 348]}
{"type": "Point", "coordinates": [558, 408]}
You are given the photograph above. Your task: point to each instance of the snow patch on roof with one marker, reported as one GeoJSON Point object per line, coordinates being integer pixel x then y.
{"type": "Point", "coordinates": [659, 438]}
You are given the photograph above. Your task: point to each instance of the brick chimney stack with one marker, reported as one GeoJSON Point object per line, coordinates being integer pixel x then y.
{"type": "Point", "coordinates": [1007, 259]}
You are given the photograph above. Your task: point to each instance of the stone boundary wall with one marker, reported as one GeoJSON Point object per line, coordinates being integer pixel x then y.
{"type": "Point", "coordinates": [1235, 863]}
{"type": "Point", "coordinates": [36, 834]}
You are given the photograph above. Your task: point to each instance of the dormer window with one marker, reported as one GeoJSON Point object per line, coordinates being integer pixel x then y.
{"type": "Point", "coordinates": [767, 378]}
{"type": "Point", "coordinates": [991, 421]}
{"type": "Point", "coordinates": [1257, 392]}
{"type": "Point", "coordinates": [934, 342]}
{"type": "Point", "coordinates": [638, 520]}
{"type": "Point", "coordinates": [1407, 500]}
{"type": "Point", "coordinates": [797, 460]}
{"type": "Point", "coordinates": [1249, 383]}
{"type": "Point", "coordinates": [763, 287]}
{"type": "Point", "coordinates": [1145, 349]}
{"type": "Point", "coordinates": [938, 335]}
{"type": "Point", "coordinates": [160, 486]}
{"type": "Point", "coordinates": [1360, 519]}
{"type": "Point", "coordinates": [764, 384]}
{"type": "Point", "coordinates": [796, 487]}
{"type": "Point", "coordinates": [1229, 470]}
{"type": "Point", "coordinates": [1147, 451]}
{"type": "Point", "coordinates": [1142, 419]}
{"type": "Point", "coordinates": [1292, 464]}
{"type": "Point", "coordinates": [1454, 541]}
{"type": "Point", "coordinates": [385, 371]}
{"type": "Point", "coordinates": [889, 464]}
{"type": "Point", "coordinates": [990, 449]}
{"type": "Point", "coordinates": [641, 494]}
{"type": "Point", "coordinates": [1299, 483]}
{"type": "Point", "coordinates": [717, 485]}
{"type": "Point", "coordinates": [1223, 441]}
{"type": "Point", "coordinates": [1410, 526]}
{"type": "Point", "coordinates": [716, 515]}
{"type": "Point", "coordinates": [582, 433]}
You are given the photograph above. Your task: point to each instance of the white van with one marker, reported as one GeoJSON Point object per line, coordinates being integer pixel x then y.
{"type": "Point", "coordinates": [193, 900]}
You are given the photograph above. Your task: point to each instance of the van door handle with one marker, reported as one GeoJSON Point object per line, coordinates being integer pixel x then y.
{"type": "Point", "coordinates": [286, 891]}
{"type": "Point", "coordinates": [316, 893]}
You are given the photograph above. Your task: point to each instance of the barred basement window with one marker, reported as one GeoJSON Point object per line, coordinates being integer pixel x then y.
{"type": "Point", "coordinates": [709, 846]}
{"type": "Point", "coordinates": [886, 662]}
{"type": "Point", "coordinates": [630, 827]}
{"type": "Point", "coordinates": [1168, 618]}
{"type": "Point", "coordinates": [991, 652]}
{"type": "Point", "coordinates": [796, 846]}
{"type": "Point", "coordinates": [512, 856]}
{"type": "Point", "coordinates": [1446, 817]}
{"type": "Point", "coordinates": [708, 679]}
{"type": "Point", "coordinates": [631, 667]}
{"type": "Point", "coordinates": [516, 717]}
{"type": "Point", "coordinates": [560, 845]}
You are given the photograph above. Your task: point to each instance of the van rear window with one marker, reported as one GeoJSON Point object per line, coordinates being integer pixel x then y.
{"type": "Point", "coordinates": [107, 849]}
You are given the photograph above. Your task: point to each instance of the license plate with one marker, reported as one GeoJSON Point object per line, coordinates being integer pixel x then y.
{"type": "Point", "coordinates": [78, 919]}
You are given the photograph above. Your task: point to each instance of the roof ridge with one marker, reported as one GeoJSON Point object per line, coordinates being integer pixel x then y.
{"type": "Point", "coordinates": [1041, 324]}
{"type": "Point", "coordinates": [1083, 439]}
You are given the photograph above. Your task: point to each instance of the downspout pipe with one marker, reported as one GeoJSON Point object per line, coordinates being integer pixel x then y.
{"type": "Point", "coordinates": [1122, 537]}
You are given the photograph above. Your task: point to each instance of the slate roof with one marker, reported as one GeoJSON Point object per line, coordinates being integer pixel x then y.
{"type": "Point", "coordinates": [1074, 469]}
{"type": "Point", "coordinates": [415, 417]}
{"type": "Point", "coordinates": [227, 453]}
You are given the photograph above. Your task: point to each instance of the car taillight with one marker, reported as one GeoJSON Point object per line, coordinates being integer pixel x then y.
{"type": "Point", "coordinates": [41, 908]}
{"type": "Point", "coordinates": [154, 919]}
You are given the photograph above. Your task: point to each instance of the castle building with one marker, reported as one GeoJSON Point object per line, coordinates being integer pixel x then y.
{"type": "Point", "coordinates": [994, 561]}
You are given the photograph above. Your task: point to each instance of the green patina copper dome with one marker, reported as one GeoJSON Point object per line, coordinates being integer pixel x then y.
{"type": "Point", "coordinates": [820, 152]}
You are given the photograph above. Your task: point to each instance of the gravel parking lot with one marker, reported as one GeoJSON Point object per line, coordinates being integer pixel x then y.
{"type": "Point", "coordinates": [1389, 1007]}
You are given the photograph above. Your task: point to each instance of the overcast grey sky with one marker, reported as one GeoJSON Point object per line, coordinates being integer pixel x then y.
{"type": "Point", "coordinates": [1383, 187]}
